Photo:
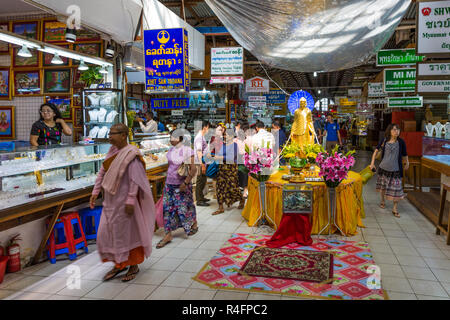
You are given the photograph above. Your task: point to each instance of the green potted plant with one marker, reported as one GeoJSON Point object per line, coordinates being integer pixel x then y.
{"type": "Point", "coordinates": [92, 75]}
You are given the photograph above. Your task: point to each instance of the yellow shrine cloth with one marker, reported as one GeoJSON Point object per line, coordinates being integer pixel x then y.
{"type": "Point", "coordinates": [349, 209]}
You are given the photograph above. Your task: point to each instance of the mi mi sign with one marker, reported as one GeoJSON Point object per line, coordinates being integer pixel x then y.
{"type": "Point", "coordinates": [400, 80]}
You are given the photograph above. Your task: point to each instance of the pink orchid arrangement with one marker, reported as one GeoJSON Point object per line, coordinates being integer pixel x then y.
{"type": "Point", "coordinates": [334, 168]}
{"type": "Point", "coordinates": [259, 162]}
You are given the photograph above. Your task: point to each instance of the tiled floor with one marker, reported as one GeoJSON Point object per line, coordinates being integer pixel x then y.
{"type": "Point", "coordinates": [414, 262]}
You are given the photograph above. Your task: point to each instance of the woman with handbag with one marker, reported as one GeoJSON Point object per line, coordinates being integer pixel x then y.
{"type": "Point", "coordinates": [178, 201]}
{"type": "Point", "coordinates": [227, 187]}
{"type": "Point", "coordinates": [390, 170]}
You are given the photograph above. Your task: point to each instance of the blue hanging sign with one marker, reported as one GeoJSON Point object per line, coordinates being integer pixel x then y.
{"type": "Point", "coordinates": [170, 103]}
{"type": "Point", "coordinates": [166, 53]}
{"type": "Point", "coordinates": [275, 96]}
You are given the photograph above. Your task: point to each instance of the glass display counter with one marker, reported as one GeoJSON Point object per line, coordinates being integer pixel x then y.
{"type": "Point", "coordinates": [153, 147]}
{"type": "Point", "coordinates": [436, 149]}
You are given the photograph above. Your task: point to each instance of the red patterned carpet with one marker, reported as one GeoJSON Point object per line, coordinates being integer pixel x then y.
{"type": "Point", "coordinates": [304, 265]}
{"type": "Point", "coordinates": [351, 279]}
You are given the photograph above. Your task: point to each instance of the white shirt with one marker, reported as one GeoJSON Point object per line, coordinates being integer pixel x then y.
{"type": "Point", "coordinates": [151, 126]}
{"type": "Point", "coordinates": [261, 138]}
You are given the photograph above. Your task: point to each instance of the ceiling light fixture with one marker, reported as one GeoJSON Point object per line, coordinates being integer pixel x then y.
{"type": "Point", "coordinates": [24, 52]}
{"type": "Point", "coordinates": [109, 52]}
{"type": "Point", "coordinates": [56, 59]}
{"type": "Point", "coordinates": [71, 35]}
{"type": "Point", "coordinates": [82, 66]}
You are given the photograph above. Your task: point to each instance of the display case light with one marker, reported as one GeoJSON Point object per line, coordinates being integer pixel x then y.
{"type": "Point", "coordinates": [82, 66]}
{"type": "Point", "coordinates": [57, 60]}
{"type": "Point", "coordinates": [24, 52]}
{"type": "Point", "coordinates": [103, 70]}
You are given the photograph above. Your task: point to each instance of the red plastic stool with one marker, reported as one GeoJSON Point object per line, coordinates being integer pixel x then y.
{"type": "Point", "coordinates": [69, 237]}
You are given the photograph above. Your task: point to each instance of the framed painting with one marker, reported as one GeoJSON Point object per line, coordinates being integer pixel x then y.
{"type": "Point", "coordinates": [4, 46]}
{"type": "Point", "coordinates": [92, 49]}
{"type": "Point", "coordinates": [53, 31]}
{"type": "Point", "coordinates": [77, 117]}
{"type": "Point", "coordinates": [57, 80]}
{"type": "Point", "coordinates": [77, 134]}
{"type": "Point", "coordinates": [27, 82]}
{"type": "Point", "coordinates": [64, 105]}
{"type": "Point", "coordinates": [77, 97]}
{"type": "Point", "coordinates": [77, 82]}
{"type": "Point", "coordinates": [47, 59]}
{"type": "Point", "coordinates": [5, 83]}
{"type": "Point", "coordinates": [87, 35]}
{"type": "Point", "coordinates": [297, 198]}
{"type": "Point", "coordinates": [27, 29]}
{"type": "Point", "coordinates": [30, 62]}
{"type": "Point", "coordinates": [7, 123]}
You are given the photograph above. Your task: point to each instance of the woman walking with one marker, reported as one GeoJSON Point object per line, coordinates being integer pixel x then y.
{"type": "Point", "coordinates": [178, 202]}
{"type": "Point", "coordinates": [227, 177]}
{"type": "Point", "coordinates": [390, 171]}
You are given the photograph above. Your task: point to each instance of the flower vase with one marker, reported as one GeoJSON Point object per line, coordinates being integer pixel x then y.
{"type": "Point", "coordinates": [331, 186]}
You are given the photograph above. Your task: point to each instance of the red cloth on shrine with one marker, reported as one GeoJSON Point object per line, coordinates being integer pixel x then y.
{"type": "Point", "coordinates": [293, 227]}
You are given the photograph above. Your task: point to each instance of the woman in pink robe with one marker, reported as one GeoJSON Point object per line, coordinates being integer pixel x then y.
{"type": "Point", "coordinates": [128, 217]}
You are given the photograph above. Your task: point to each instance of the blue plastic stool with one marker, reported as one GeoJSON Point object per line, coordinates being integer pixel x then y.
{"type": "Point", "coordinates": [90, 219]}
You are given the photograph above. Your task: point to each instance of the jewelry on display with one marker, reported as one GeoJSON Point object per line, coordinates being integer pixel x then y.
{"type": "Point", "coordinates": [101, 115]}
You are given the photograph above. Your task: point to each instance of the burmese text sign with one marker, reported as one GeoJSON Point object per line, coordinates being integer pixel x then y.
{"type": "Point", "coordinates": [227, 61]}
{"type": "Point", "coordinates": [166, 60]}
{"type": "Point", "coordinates": [433, 27]}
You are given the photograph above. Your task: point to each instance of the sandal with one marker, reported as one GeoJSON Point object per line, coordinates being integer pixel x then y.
{"type": "Point", "coordinates": [193, 231]}
{"type": "Point", "coordinates": [218, 212]}
{"type": "Point", "coordinates": [162, 243]}
{"type": "Point", "coordinates": [382, 205]}
{"type": "Point", "coordinates": [130, 274]}
{"type": "Point", "coordinates": [241, 205]}
{"type": "Point", "coordinates": [396, 214]}
{"type": "Point", "coordinates": [113, 273]}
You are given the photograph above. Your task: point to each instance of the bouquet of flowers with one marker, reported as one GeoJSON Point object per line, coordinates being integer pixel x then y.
{"type": "Point", "coordinates": [291, 150]}
{"type": "Point", "coordinates": [334, 168]}
{"type": "Point", "coordinates": [311, 151]}
{"type": "Point", "coordinates": [259, 162]}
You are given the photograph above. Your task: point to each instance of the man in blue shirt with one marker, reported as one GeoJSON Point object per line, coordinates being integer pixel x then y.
{"type": "Point", "coordinates": [331, 130]}
{"type": "Point", "coordinates": [161, 127]}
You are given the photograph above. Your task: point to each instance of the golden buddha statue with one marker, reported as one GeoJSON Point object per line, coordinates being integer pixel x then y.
{"type": "Point", "coordinates": [302, 131]}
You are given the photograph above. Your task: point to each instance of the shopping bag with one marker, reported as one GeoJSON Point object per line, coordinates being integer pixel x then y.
{"type": "Point", "coordinates": [366, 174]}
{"type": "Point", "coordinates": [159, 213]}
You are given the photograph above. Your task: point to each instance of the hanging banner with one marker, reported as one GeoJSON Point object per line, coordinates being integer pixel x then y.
{"type": "Point", "coordinates": [433, 27]}
{"type": "Point", "coordinates": [405, 102]}
{"type": "Point", "coordinates": [397, 57]}
{"type": "Point", "coordinates": [257, 84]}
{"type": "Point", "coordinates": [441, 68]}
{"type": "Point", "coordinates": [226, 80]}
{"type": "Point", "coordinates": [166, 60]}
{"type": "Point", "coordinates": [227, 61]}
{"type": "Point", "coordinates": [433, 86]}
{"type": "Point", "coordinates": [170, 103]}
{"type": "Point", "coordinates": [354, 92]}
{"type": "Point", "coordinates": [377, 101]}
{"type": "Point", "coordinates": [375, 89]}
{"type": "Point", "coordinates": [400, 80]}
{"type": "Point", "coordinates": [257, 105]}
{"type": "Point", "coordinates": [178, 113]}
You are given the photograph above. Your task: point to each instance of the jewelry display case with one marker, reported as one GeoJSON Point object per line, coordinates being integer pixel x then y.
{"type": "Point", "coordinates": [102, 108]}
{"type": "Point", "coordinates": [436, 149]}
{"type": "Point", "coordinates": [37, 173]}
{"type": "Point", "coordinates": [154, 148]}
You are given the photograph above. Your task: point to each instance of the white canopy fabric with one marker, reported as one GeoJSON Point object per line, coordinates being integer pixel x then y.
{"type": "Point", "coordinates": [311, 35]}
{"type": "Point", "coordinates": [115, 18]}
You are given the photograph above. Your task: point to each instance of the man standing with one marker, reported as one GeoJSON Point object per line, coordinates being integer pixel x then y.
{"type": "Point", "coordinates": [128, 217]}
{"type": "Point", "coordinates": [331, 130]}
{"type": "Point", "coordinates": [200, 149]}
{"type": "Point", "coordinates": [151, 126]}
{"type": "Point", "coordinates": [280, 137]}
{"type": "Point", "coordinates": [262, 137]}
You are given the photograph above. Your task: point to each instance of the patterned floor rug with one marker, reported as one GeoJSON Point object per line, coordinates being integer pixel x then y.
{"type": "Point", "coordinates": [352, 277]}
{"type": "Point", "coordinates": [303, 265]}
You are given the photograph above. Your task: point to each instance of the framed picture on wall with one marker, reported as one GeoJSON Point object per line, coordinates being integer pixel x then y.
{"type": "Point", "coordinates": [64, 105]}
{"type": "Point", "coordinates": [30, 62]}
{"type": "Point", "coordinates": [92, 49]}
{"type": "Point", "coordinates": [4, 46]}
{"type": "Point", "coordinates": [297, 198]}
{"type": "Point", "coordinates": [7, 123]}
{"type": "Point", "coordinates": [5, 83]}
{"type": "Point", "coordinates": [27, 29]}
{"type": "Point", "coordinates": [87, 35]}
{"type": "Point", "coordinates": [57, 80]}
{"type": "Point", "coordinates": [77, 98]}
{"type": "Point", "coordinates": [77, 117]}
{"type": "Point", "coordinates": [77, 82]}
{"type": "Point", "coordinates": [53, 31]}
{"type": "Point", "coordinates": [27, 83]}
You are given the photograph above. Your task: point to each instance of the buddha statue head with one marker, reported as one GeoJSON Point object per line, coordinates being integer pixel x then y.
{"type": "Point", "coordinates": [303, 102]}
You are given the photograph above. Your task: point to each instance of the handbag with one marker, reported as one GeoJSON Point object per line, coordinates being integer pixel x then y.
{"type": "Point", "coordinates": [184, 170]}
{"type": "Point", "coordinates": [379, 154]}
{"type": "Point", "coordinates": [212, 169]}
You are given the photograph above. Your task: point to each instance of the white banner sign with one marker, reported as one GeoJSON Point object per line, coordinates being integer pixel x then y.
{"type": "Point", "coordinates": [257, 105]}
{"type": "Point", "coordinates": [354, 92]}
{"type": "Point", "coordinates": [257, 84]}
{"type": "Point", "coordinates": [433, 27]}
{"type": "Point", "coordinates": [442, 86]}
{"type": "Point", "coordinates": [177, 112]}
{"type": "Point", "coordinates": [257, 98]}
{"type": "Point", "coordinates": [375, 89]}
{"type": "Point", "coordinates": [227, 60]}
{"type": "Point", "coordinates": [377, 101]}
{"type": "Point", "coordinates": [226, 80]}
{"type": "Point", "coordinates": [434, 69]}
